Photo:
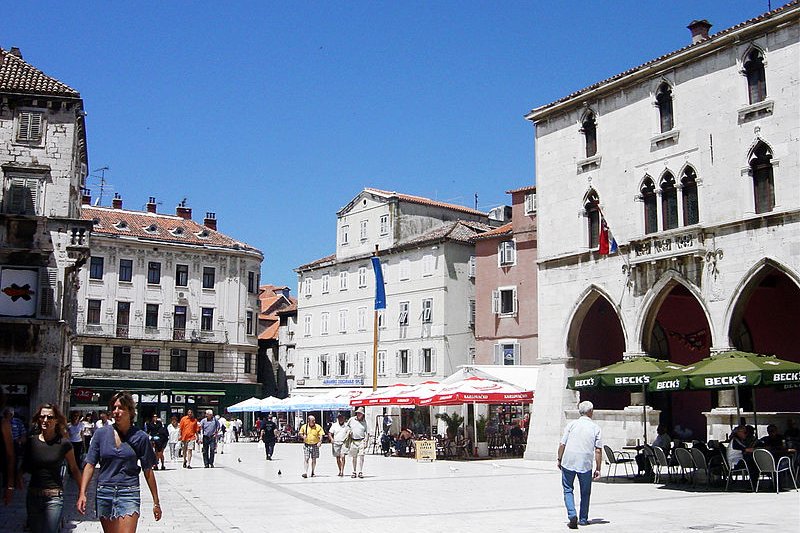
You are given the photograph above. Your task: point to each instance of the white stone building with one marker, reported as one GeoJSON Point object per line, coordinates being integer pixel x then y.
{"type": "Point", "coordinates": [692, 160]}
{"type": "Point", "coordinates": [425, 331]}
{"type": "Point", "coordinates": [43, 162]}
{"type": "Point", "coordinates": [167, 309]}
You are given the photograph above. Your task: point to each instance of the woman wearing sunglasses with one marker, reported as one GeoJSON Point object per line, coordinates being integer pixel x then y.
{"type": "Point", "coordinates": [120, 449]}
{"type": "Point", "coordinates": [45, 453]}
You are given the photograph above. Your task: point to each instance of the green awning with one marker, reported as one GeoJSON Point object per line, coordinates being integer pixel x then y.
{"type": "Point", "coordinates": [200, 392]}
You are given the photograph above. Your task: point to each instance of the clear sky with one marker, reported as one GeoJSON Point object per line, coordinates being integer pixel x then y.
{"type": "Point", "coordinates": [275, 114]}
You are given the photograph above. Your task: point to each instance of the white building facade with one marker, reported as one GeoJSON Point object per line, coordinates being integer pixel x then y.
{"type": "Point", "coordinates": [692, 161]}
{"type": "Point", "coordinates": [425, 332]}
{"type": "Point", "coordinates": [167, 309]}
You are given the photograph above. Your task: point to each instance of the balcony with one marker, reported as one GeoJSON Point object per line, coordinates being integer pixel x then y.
{"type": "Point", "coordinates": [121, 331]}
{"type": "Point", "coordinates": [665, 246]}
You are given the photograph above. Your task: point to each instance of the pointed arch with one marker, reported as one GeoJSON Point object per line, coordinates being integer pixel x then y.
{"type": "Point", "coordinates": [591, 210]}
{"type": "Point", "coordinates": [647, 191]}
{"type": "Point", "coordinates": [578, 312]}
{"type": "Point", "coordinates": [589, 131]}
{"type": "Point", "coordinates": [689, 197]}
{"type": "Point", "coordinates": [761, 170]}
{"type": "Point", "coordinates": [669, 201]}
{"type": "Point", "coordinates": [663, 102]}
{"type": "Point", "coordinates": [747, 284]}
{"type": "Point", "coordinates": [759, 146]}
{"type": "Point", "coordinates": [655, 298]}
{"type": "Point", "coordinates": [753, 67]}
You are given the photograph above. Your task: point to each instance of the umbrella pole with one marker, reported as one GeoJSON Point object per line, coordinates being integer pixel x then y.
{"type": "Point", "coordinates": [738, 410]}
{"type": "Point", "coordinates": [475, 427]}
{"type": "Point", "coordinates": [755, 413]}
{"type": "Point", "coordinates": [644, 411]}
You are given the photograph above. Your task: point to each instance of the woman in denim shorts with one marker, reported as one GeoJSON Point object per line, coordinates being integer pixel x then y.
{"type": "Point", "coordinates": [120, 449]}
{"type": "Point", "coordinates": [45, 451]}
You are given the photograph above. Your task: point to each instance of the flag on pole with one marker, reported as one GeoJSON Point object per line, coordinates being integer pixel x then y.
{"type": "Point", "coordinates": [607, 243]}
{"type": "Point", "coordinates": [380, 290]}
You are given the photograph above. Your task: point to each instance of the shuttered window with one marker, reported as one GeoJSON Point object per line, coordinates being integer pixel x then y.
{"type": "Point", "coordinates": [23, 196]}
{"type": "Point", "coordinates": [48, 278]}
{"type": "Point", "coordinates": [30, 126]}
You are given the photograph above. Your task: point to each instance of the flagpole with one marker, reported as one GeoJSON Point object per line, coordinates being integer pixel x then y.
{"type": "Point", "coordinates": [375, 336]}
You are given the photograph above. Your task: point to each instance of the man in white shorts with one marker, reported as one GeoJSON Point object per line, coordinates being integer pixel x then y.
{"type": "Point", "coordinates": [358, 449]}
{"type": "Point", "coordinates": [338, 434]}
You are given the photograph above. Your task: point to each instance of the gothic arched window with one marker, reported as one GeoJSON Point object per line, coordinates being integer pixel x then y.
{"type": "Point", "coordinates": [669, 202]}
{"type": "Point", "coordinates": [664, 103]}
{"type": "Point", "coordinates": [592, 211]}
{"type": "Point", "coordinates": [763, 181]}
{"type": "Point", "coordinates": [691, 211]}
{"type": "Point", "coordinates": [648, 191]}
{"type": "Point", "coordinates": [756, 77]}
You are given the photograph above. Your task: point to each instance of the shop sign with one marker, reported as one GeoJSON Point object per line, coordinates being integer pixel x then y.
{"type": "Point", "coordinates": [15, 389]}
{"type": "Point", "coordinates": [83, 394]}
{"type": "Point", "coordinates": [355, 381]}
{"type": "Point", "coordinates": [425, 450]}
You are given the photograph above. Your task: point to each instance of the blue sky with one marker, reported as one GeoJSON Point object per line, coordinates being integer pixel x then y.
{"type": "Point", "coordinates": [274, 115]}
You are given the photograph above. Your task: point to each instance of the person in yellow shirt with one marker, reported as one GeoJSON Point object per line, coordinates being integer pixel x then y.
{"type": "Point", "coordinates": [312, 434]}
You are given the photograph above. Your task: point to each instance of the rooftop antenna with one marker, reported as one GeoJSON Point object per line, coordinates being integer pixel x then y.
{"type": "Point", "coordinates": [102, 178]}
{"type": "Point", "coordinates": [476, 201]}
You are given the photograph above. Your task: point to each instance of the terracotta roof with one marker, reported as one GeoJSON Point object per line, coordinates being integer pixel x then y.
{"type": "Point", "coordinates": [317, 262]}
{"type": "Point", "coordinates": [167, 228]}
{"type": "Point", "coordinates": [522, 189]}
{"type": "Point", "coordinates": [502, 231]}
{"type": "Point", "coordinates": [20, 77]}
{"type": "Point", "coordinates": [289, 309]}
{"type": "Point", "coordinates": [712, 38]}
{"type": "Point", "coordinates": [423, 201]}
{"type": "Point", "coordinates": [271, 331]}
{"type": "Point", "coordinates": [459, 231]}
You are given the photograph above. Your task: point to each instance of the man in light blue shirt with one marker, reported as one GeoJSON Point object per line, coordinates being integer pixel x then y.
{"type": "Point", "coordinates": [580, 446]}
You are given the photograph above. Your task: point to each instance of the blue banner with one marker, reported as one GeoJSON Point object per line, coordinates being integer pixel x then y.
{"type": "Point", "coordinates": [380, 290]}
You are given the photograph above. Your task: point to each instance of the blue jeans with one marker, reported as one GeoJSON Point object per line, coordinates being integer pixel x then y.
{"type": "Point", "coordinates": [585, 482]}
{"type": "Point", "coordinates": [44, 513]}
{"type": "Point", "coordinates": [209, 449]}
{"type": "Point", "coordinates": [270, 448]}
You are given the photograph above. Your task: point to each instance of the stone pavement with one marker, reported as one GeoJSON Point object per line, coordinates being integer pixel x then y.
{"type": "Point", "coordinates": [245, 493]}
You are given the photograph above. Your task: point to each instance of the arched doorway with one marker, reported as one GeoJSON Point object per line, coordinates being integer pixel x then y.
{"type": "Point", "coordinates": [597, 340]}
{"type": "Point", "coordinates": [677, 329]}
{"type": "Point", "coordinates": [765, 320]}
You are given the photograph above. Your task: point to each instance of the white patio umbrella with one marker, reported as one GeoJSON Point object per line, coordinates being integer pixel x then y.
{"type": "Point", "coordinates": [266, 405]}
{"type": "Point", "coordinates": [248, 405]}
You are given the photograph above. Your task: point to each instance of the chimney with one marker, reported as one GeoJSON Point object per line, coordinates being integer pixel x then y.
{"type": "Point", "coordinates": [183, 211]}
{"type": "Point", "coordinates": [15, 52]}
{"type": "Point", "coordinates": [699, 29]}
{"type": "Point", "coordinates": [210, 221]}
{"type": "Point", "coordinates": [151, 204]}
{"type": "Point", "coordinates": [116, 203]}
{"type": "Point", "coordinates": [86, 197]}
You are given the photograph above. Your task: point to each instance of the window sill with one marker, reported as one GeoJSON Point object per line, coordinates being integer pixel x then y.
{"type": "Point", "coordinates": [209, 289]}
{"type": "Point", "coordinates": [663, 140]}
{"type": "Point", "coordinates": [756, 111]}
{"type": "Point", "coordinates": [507, 315]}
{"type": "Point", "coordinates": [125, 282]}
{"type": "Point", "coordinates": [589, 163]}
{"type": "Point", "coordinates": [403, 374]}
{"type": "Point", "coordinates": [153, 285]}
{"type": "Point", "coordinates": [505, 265]}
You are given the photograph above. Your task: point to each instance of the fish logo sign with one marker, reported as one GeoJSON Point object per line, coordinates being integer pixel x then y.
{"type": "Point", "coordinates": [15, 292]}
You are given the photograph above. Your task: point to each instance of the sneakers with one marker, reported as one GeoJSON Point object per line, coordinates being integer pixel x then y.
{"type": "Point", "coordinates": [583, 522]}
{"type": "Point", "coordinates": [573, 522]}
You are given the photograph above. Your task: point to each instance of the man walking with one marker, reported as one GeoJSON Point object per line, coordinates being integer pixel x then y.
{"type": "Point", "coordinates": [338, 433]}
{"type": "Point", "coordinates": [358, 434]}
{"type": "Point", "coordinates": [269, 435]}
{"type": "Point", "coordinates": [209, 428]}
{"type": "Point", "coordinates": [190, 430]}
{"type": "Point", "coordinates": [580, 447]}
{"type": "Point", "coordinates": [312, 434]}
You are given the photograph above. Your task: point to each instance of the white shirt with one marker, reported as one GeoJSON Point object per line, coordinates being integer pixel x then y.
{"type": "Point", "coordinates": [75, 431]}
{"type": "Point", "coordinates": [359, 429]}
{"type": "Point", "coordinates": [339, 432]}
{"type": "Point", "coordinates": [174, 433]}
{"type": "Point", "coordinates": [100, 423]}
{"type": "Point", "coordinates": [581, 438]}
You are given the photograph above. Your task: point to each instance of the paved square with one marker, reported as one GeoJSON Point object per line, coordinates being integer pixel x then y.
{"type": "Point", "coordinates": [245, 493]}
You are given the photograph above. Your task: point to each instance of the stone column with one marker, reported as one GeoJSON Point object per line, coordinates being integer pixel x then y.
{"type": "Point", "coordinates": [550, 400]}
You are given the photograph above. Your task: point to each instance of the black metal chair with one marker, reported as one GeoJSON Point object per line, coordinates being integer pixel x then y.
{"type": "Point", "coordinates": [616, 459]}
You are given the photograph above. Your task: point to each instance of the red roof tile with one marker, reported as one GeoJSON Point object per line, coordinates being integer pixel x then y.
{"type": "Point", "coordinates": [712, 39]}
{"type": "Point", "coordinates": [526, 188]}
{"type": "Point", "coordinates": [423, 201]}
{"type": "Point", "coordinates": [270, 332]}
{"type": "Point", "coordinates": [20, 77]}
{"type": "Point", "coordinates": [167, 228]}
{"type": "Point", "coordinates": [317, 262]}
{"type": "Point", "coordinates": [503, 231]}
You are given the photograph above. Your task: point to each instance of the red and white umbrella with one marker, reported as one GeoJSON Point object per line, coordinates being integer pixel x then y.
{"type": "Point", "coordinates": [390, 395]}
{"type": "Point", "coordinates": [477, 390]}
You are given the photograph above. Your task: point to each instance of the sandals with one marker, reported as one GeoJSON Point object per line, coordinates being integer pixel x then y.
{"type": "Point", "coordinates": [305, 475]}
{"type": "Point", "coordinates": [354, 475]}
{"type": "Point", "coordinates": [360, 475]}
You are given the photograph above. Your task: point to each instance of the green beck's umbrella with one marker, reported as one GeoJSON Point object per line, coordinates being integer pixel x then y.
{"type": "Point", "coordinates": [730, 370]}
{"type": "Point", "coordinates": [630, 374]}
{"type": "Point", "coordinates": [633, 374]}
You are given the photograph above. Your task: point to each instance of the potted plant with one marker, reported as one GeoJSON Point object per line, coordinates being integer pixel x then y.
{"type": "Point", "coordinates": [453, 422]}
{"type": "Point", "coordinates": [482, 445]}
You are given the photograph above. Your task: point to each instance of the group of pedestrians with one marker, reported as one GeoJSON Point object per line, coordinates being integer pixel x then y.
{"type": "Point", "coordinates": [346, 438]}
{"type": "Point", "coordinates": [120, 449]}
